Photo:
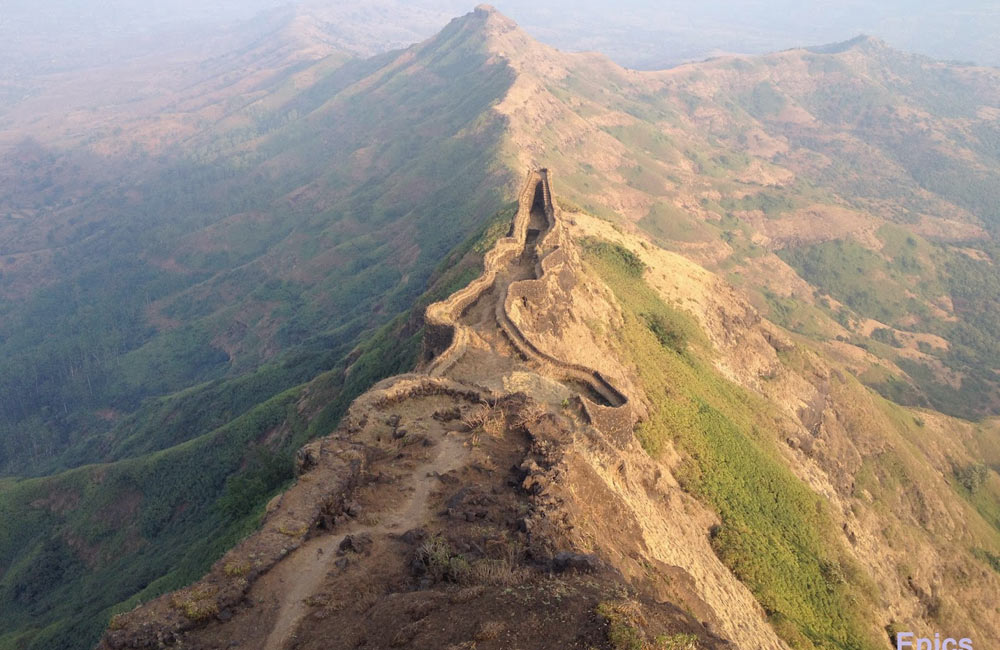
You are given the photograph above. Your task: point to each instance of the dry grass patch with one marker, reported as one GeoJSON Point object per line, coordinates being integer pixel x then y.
{"type": "Point", "coordinates": [489, 630]}
{"type": "Point", "coordinates": [528, 415]}
{"type": "Point", "coordinates": [236, 568]}
{"type": "Point", "coordinates": [487, 419]}
{"type": "Point", "coordinates": [197, 603]}
{"type": "Point", "coordinates": [498, 573]}
{"type": "Point", "coordinates": [296, 531]}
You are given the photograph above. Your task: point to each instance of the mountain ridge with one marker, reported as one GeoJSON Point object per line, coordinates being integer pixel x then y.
{"type": "Point", "coordinates": [472, 367]}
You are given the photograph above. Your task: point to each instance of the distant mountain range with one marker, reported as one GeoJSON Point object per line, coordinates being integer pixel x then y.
{"type": "Point", "coordinates": [635, 33]}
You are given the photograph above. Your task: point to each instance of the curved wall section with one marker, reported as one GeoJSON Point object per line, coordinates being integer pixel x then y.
{"type": "Point", "coordinates": [447, 339]}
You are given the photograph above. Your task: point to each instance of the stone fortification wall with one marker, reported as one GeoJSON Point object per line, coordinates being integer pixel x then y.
{"type": "Point", "coordinates": [607, 407]}
{"type": "Point", "coordinates": [447, 337]}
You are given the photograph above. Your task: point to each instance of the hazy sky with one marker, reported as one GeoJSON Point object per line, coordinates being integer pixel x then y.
{"type": "Point", "coordinates": [638, 33]}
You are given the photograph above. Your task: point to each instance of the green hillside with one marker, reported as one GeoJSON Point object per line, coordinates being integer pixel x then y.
{"type": "Point", "coordinates": [292, 238]}
{"type": "Point", "coordinates": [195, 319]}
{"type": "Point", "coordinates": [131, 529]}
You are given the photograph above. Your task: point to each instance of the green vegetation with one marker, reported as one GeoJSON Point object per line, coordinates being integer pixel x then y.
{"type": "Point", "coordinates": [87, 543]}
{"type": "Point", "coordinates": [900, 285]}
{"type": "Point", "coordinates": [623, 625]}
{"type": "Point", "coordinates": [764, 100]}
{"type": "Point", "coordinates": [772, 203]}
{"type": "Point", "coordinates": [80, 542]}
{"type": "Point", "coordinates": [887, 336]}
{"type": "Point", "coordinates": [775, 533]}
{"type": "Point", "coordinates": [717, 164]}
{"type": "Point", "coordinates": [974, 287]}
{"type": "Point", "coordinates": [972, 477]}
{"type": "Point", "coordinates": [627, 629]}
{"type": "Point", "coordinates": [676, 642]}
{"type": "Point", "coordinates": [976, 485]}
{"type": "Point", "coordinates": [854, 275]}
{"type": "Point", "coordinates": [645, 137]}
{"type": "Point", "coordinates": [992, 560]}
{"type": "Point", "coordinates": [796, 315]}
{"type": "Point", "coordinates": [668, 223]}
{"type": "Point", "coordinates": [621, 259]}
{"type": "Point", "coordinates": [442, 562]}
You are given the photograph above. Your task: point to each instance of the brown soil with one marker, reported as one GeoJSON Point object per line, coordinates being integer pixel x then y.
{"type": "Point", "coordinates": [300, 576]}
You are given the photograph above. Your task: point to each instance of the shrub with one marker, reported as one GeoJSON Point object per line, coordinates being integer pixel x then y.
{"type": "Point", "coordinates": [197, 603]}
{"type": "Point", "coordinates": [886, 335]}
{"type": "Point", "coordinates": [666, 332]}
{"type": "Point", "coordinates": [972, 477]}
{"type": "Point", "coordinates": [624, 619]}
{"type": "Point", "coordinates": [488, 419]}
{"type": "Point", "coordinates": [236, 568]}
{"type": "Point", "coordinates": [442, 563]}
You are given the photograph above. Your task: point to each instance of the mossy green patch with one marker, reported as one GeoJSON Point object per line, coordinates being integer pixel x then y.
{"type": "Point", "coordinates": [666, 223]}
{"type": "Point", "coordinates": [775, 532]}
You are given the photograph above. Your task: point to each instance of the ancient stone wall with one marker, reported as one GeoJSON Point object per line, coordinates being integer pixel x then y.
{"type": "Point", "coordinates": [443, 317]}
{"type": "Point", "coordinates": [615, 417]}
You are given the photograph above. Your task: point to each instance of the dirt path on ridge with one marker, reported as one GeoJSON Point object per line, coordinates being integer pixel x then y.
{"type": "Point", "coordinates": [302, 573]}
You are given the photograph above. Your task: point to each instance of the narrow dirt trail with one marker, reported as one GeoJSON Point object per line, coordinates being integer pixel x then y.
{"type": "Point", "coordinates": [302, 573]}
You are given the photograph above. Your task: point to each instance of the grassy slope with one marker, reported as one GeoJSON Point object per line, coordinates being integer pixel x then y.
{"type": "Point", "coordinates": [776, 535]}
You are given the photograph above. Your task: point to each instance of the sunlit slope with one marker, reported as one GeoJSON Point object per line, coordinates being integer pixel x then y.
{"type": "Point", "coordinates": [846, 195]}
{"type": "Point", "coordinates": [825, 490]}
{"type": "Point", "coordinates": [852, 188]}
